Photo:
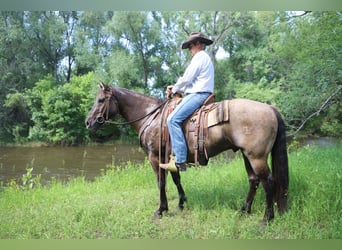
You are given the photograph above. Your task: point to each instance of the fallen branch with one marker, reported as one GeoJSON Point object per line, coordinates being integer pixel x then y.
{"type": "Point", "coordinates": [323, 107]}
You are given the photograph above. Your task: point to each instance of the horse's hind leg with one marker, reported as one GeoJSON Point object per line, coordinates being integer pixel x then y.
{"type": "Point", "coordinates": [177, 180]}
{"type": "Point", "coordinates": [253, 186]}
{"type": "Point", "coordinates": [263, 172]}
{"type": "Point", "coordinates": [267, 182]}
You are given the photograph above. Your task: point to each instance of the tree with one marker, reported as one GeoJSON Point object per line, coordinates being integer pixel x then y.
{"type": "Point", "coordinates": [177, 26]}
{"type": "Point", "coordinates": [18, 71]}
{"type": "Point", "coordinates": [46, 30]}
{"type": "Point", "coordinates": [308, 57]}
{"type": "Point", "coordinates": [135, 32]}
{"type": "Point", "coordinates": [49, 60]}
{"type": "Point", "coordinates": [71, 20]}
{"type": "Point", "coordinates": [18, 120]}
{"type": "Point", "coordinates": [92, 41]}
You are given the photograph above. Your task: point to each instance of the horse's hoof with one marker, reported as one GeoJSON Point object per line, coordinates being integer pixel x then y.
{"type": "Point", "coordinates": [266, 220]}
{"type": "Point", "coordinates": [262, 224]}
{"type": "Point", "coordinates": [243, 214]}
{"type": "Point", "coordinates": [157, 215]}
{"type": "Point", "coordinates": [245, 210]}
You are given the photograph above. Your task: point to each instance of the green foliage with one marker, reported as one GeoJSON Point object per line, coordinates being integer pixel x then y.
{"type": "Point", "coordinates": [124, 69]}
{"type": "Point", "coordinates": [91, 41]}
{"type": "Point", "coordinates": [16, 126]}
{"type": "Point", "coordinates": [59, 111]}
{"type": "Point", "coordinates": [293, 65]}
{"type": "Point", "coordinates": [30, 181]}
{"type": "Point", "coordinates": [308, 57]}
{"type": "Point", "coordinates": [262, 91]}
{"type": "Point", "coordinates": [290, 60]}
{"type": "Point", "coordinates": [332, 124]}
{"type": "Point", "coordinates": [144, 37]}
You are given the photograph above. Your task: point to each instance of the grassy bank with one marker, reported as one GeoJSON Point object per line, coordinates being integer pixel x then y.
{"type": "Point", "coordinates": [120, 203]}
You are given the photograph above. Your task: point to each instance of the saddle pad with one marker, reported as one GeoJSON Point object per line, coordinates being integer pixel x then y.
{"type": "Point", "coordinates": [220, 113]}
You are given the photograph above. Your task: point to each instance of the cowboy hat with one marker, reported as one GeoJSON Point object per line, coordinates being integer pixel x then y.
{"type": "Point", "coordinates": [194, 37]}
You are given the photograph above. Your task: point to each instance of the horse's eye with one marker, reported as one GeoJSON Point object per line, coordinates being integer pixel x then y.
{"type": "Point", "coordinates": [101, 100]}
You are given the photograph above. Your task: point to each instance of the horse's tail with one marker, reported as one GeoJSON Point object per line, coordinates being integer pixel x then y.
{"type": "Point", "coordinates": [280, 172]}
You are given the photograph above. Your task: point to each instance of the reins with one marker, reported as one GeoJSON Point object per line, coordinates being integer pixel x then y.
{"type": "Point", "coordinates": [104, 118]}
{"type": "Point", "coordinates": [101, 119]}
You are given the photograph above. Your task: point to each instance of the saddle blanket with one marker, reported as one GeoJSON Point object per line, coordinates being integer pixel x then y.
{"type": "Point", "coordinates": [208, 116]}
{"type": "Point", "coordinates": [218, 112]}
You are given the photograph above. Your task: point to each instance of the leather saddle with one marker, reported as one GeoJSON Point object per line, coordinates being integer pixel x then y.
{"type": "Point", "coordinates": [196, 126]}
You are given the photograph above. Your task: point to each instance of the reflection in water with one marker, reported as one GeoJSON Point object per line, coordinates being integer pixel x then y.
{"type": "Point", "coordinates": [64, 162]}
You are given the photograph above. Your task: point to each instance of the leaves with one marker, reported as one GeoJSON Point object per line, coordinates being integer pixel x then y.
{"type": "Point", "coordinates": [59, 111]}
{"type": "Point", "coordinates": [53, 59]}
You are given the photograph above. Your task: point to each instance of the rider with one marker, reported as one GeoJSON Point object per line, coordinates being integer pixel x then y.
{"type": "Point", "coordinates": [197, 84]}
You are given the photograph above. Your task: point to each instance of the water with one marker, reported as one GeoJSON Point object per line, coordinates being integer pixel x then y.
{"type": "Point", "coordinates": [64, 163]}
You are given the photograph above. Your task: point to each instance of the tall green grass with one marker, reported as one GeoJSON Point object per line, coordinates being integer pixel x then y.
{"type": "Point", "coordinates": [120, 203]}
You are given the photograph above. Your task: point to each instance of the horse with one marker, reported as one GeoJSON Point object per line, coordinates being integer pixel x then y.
{"type": "Point", "coordinates": [254, 128]}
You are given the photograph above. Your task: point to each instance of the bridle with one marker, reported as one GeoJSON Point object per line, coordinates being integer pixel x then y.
{"type": "Point", "coordinates": [104, 115]}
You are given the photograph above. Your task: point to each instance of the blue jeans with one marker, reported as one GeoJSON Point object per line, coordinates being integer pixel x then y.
{"type": "Point", "coordinates": [175, 121]}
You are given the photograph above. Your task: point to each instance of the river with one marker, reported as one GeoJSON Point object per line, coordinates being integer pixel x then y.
{"type": "Point", "coordinates": [64, 163]}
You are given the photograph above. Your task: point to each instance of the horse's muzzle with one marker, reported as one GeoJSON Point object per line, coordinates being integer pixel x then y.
{"type": "Point", "coordinates": [87, 123]}
{"type": "Point", "coordinates": [93, 124]}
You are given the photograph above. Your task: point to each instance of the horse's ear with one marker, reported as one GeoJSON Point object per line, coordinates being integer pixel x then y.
{"type": "Point", "coordinates": [104, 87]}
{"type": "Point", "coordinates": [101, 86]}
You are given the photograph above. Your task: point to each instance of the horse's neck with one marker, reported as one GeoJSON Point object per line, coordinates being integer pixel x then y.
{"type": "Point", "coordinates": [133, 105]}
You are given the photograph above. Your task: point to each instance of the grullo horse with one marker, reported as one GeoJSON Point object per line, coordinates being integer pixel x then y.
{"type": "Point", "coordinates": [254, 128]}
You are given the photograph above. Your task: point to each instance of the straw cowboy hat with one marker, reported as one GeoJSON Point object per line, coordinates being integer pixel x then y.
{"type": "Point", "coordinates": [194, 37]}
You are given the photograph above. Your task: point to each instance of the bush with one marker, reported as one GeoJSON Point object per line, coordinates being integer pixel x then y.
{"type": "Point", "coordinates": [59, 110]}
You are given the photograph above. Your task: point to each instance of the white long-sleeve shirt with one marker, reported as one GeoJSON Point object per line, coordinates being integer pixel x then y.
{"type": "Point", "coordinates": [198, 76]}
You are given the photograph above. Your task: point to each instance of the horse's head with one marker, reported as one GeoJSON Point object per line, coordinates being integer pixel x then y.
{"type": "Point", "coordinates": [104, 108]}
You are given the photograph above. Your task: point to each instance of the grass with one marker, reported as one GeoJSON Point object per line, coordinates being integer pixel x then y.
{"type": "Point", "coordinates": [120, 204]}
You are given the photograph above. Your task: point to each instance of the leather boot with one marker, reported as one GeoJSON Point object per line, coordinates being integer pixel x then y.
{"type": "Point", "coordinates": [173, 166]}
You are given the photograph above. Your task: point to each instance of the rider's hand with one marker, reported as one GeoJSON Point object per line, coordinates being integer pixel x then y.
{"type": "Point", "coordinates": [169, 91]}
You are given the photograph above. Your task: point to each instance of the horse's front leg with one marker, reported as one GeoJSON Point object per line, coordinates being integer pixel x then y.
{"type": "Point", "coordinates": [161, 176]}
{"type": "Point", "coordinates": [161, 180]}
{"type": "Point", "coordinates": [182, 197]}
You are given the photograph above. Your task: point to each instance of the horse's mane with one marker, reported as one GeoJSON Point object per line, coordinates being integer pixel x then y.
{"type": "Point", "coordinates": [134, 93]}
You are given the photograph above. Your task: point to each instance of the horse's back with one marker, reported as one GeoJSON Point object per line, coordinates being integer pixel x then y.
{"type": "Point", "coordinates": [248, 112]}
{"type": "Point", "coordinates": [252, 126]}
